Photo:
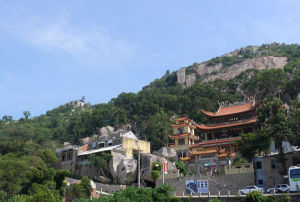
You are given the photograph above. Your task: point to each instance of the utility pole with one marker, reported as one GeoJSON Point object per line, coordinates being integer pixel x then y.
{"type": "Point", "coordinates": [139, 169]}
{"type": "Point", "coordinates": [164, 172]}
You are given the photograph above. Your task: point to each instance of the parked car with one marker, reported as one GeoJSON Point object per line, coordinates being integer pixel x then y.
{"type": "Point", "coordinates": [280, 188]}
{"type": "Point", "coordinates": [250, 189]}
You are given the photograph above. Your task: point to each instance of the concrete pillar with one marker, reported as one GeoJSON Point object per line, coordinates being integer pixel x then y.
{"type": "Point", "coordinates": [205, 136]}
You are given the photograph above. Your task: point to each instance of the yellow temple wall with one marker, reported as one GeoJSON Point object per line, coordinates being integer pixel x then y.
{"type": "Point", "coordinates": [130, 145]}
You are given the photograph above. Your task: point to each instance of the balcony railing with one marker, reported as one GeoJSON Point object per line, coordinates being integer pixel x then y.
{"type": "Point", "coordinates": [71, 147]}
{"type": "Point", "coordinates": [230, 122]}
{"type": "Point", "coordinates": [226, 138]}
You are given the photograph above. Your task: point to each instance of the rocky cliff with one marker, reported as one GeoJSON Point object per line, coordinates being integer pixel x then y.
{"type": "Point", "coordinates": [232, 64]}
{"type": "Point", "coordinates": [218, 71]}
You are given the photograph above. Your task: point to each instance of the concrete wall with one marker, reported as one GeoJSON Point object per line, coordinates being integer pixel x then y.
{"type": "Point", "coordinates": [239, 168]}
{"type": "Point", "coordinates": [223, 183]}
{"type": "Point", "coordinates": [130, 144]}
{"type": "Point", "coordinates": [67, 164]}
{"type": "Point", "coordinates": [109, 188]}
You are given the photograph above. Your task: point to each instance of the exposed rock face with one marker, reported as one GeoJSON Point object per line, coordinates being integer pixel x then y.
{"type": "Point", "coordinates": [185, 80]}
{"type": "Point", "coordinates": [190, 80]}
{"type": "Point", "coordinates": [181, 76]}
{"type": "Point", "coordinates": [260, 63]}
{"type": "Point", "coordinates": [268, 62]}
{"type": "Point", "coordinates": [146, 164]}
{"type": "Point", "coordinates": [123, 170]}
{"type": "Point", "coordinates": [166, 152]}
{"type": "Point", "coordinates": [202, 68]}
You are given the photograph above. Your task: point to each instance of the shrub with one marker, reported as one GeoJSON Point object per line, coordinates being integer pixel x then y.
{"type": "Point", "coordinates": [255, 196]}
{"type": "Point", "coordinates": [214, 200]}
{"type": "Point", "coordinates": [155, 174]}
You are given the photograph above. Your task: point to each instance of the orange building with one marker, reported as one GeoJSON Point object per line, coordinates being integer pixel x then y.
{"type": "Point", "coordinates": [218, 146]}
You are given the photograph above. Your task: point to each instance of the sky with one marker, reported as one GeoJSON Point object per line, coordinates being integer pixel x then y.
{"type": "Point", "coordinates": [52, 52]}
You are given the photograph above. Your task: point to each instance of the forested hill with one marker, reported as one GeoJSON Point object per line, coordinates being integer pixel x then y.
{"type": "Point", "coordinates": [264, 71]}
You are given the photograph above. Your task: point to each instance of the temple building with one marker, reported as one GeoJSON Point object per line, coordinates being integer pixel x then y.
{"type": "Point", "coordinates": [183, 136]}
{"type": "Point", "coordinates": [218, 140]}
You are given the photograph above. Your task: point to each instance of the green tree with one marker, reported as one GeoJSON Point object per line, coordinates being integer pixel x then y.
{"type": "Point", "coordinates": [294, 123]}
{"type": "Point", "coordinates": [181, 166]}
{"type": "Point", "coordinates": [100, 161]}
{"type": "Point", "coordinates": [274, 122]}
{"type": "Point", "coordinates": [156, 168]}
{"type": "Point", "coordinates": [253, 143]}
{"type": "Point", "coordinates": [26, 114]}
{"type": "Point", "coordinates": [157, 130]}
{"type": "Point", "coordinates": [82, 190]}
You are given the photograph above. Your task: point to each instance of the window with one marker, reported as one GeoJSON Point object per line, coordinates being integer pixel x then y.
{"type": "Point", "coordinates": [69, 157]}
{"type": "Point", "coordinates": [296, 160]}
{"type": "Point", "coordinates": [101, 144]}
{"type": "Point", "coordinates": [274, 163]}
{"type": "Point", "coordinates": [180, 130]}
{"type": "Point", "coordinates": [63, 156]}
{"type": "Point", "coordinates": [260, 182]}
{"type": "Point", "coordinates": [181, 141]}
{"type": "Point", "coordinates": [258, 165]}
{"type": "Point", "coordinates": [295, 173]}
{"type": "Point", "coordinates": [109, 142]}
{"type": "Point", "coordinates": [233, 119]}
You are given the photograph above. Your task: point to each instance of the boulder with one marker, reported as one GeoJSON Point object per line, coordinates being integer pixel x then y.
{"type": "Point", "coordinates": [104, 179]}
{"type": "Point", "coordinates": [85, 140]}
{"type": "Point", "coordinates": [123, 170]}
{"type": "Point", "coordinates": [104, 131]}
{"type": "Point", "coordinates": [146, 164]}
{"type": "Point", "coordinates": [166, 152]}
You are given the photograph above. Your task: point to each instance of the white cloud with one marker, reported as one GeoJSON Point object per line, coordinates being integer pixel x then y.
{"type": "Point", "coordinates": [92, 45]}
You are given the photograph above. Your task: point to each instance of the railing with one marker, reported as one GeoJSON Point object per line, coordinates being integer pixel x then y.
{"type": "Point", "coordinates": [230, 122]}
{"type": "Point", "coordinates": [71, 147]}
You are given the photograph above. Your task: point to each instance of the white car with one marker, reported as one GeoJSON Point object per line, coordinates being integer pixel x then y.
{"type": "Point", "coordinates": [250, 189]}
{"type": "Point", "coordinates": [280, 188]}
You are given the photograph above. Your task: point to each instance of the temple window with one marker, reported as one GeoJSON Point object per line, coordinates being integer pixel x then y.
{"type": "Point", "coordinates": [180, 130]}
{"type": "Point", "coordinates": [233, 119]}
{"type": "Point", "coordinates": [181, 141]}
